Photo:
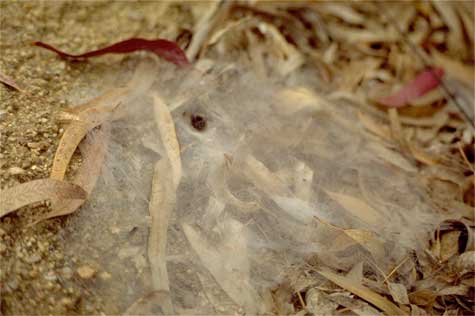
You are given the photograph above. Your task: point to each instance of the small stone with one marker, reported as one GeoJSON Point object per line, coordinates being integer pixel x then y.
{"type": "Point", "coordinates": [34, 145]}
{"type": "Point", "coordinates": [86, 272]}
{"type": "Point", "coordinates": [105, 275]}
{"type": "Point", "coordinates": [33, 258]}
{"type": "Point", "coordinates": [50, 276]}
{"type": "Point", "coordinates": [13, 284]}
{"type": "Point", "coordinates": [43, 120]}
{"type": "Point", "coordinates": [67, 272]}
{"type": "Point", "coordinates": [66, 301]}
{"type": "Point", "coordinates": [16, 170]}
{"type": "Point", "coordinates": [3, 248]}
{"type": "Point", "coordinates": [2, 232]}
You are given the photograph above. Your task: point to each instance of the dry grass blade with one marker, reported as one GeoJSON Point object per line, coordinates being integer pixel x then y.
{"type": "Point", "coordinates": [162, 201]}
{"type": "Point", "coordinates": [93, 157]}
{"type": "Point", "coordinates": [362, 291]}
{"type": "Point", "coordinates": [35, 191]}
{"type": "Point", "coordinates": [166, 127]}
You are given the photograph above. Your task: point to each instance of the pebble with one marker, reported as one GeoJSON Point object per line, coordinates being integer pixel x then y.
{"type": "Point", "coordinates": [16, 170]}
{"type": "Point", "coordinates": [105, 275]}
{"type": "Point", "coordinates": [50, 276]}
{"type": "Point", "coordinates": [33, 258]}
{"type": "Point", "coordinates": [34, 145]}
{"type": "Point", "coordinates": [67, 272]}
{"type": "Point", "coordinates": [86, 272]}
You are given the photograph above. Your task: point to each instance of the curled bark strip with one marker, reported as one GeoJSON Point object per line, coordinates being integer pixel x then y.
{"type": "Point", "coordinates": [168, 50]}
{"type": "Point", "coordinates": [23, 194]}
{"type": "Point", "coordinates": [423, 83]}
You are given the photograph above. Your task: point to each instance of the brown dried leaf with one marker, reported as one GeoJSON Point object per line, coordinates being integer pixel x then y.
{"type": "Point", "coordinates": [343, 11]}
{"type": "Point", "coordinates": [230, 272]}
{"type": "Point", "coordinates": [355, 35]}
{"type": "Point", "coordinates": [162, 202]}
{"type": "Point", "coordinates": [357, 208]}
{"type": "Point", "coordinates": [423, 297]}
{"type": "Point", "coordinates": [454, 68]}
{"type": "Point", "coordinates": [369, 241]}
{"type": "Point", "coordinates": [449, 245]}
{"type": "Point", "coordinates": [71, 138]}
{"type": "Point", "coordinates": [363, 292]}
{"type": "Point", "coordinates": [166, 126]}
{"type": "Point", "coordinates": [398, 292]}
{"type": "Point", "coordinates": [377, 128]}
{"type": "Point", "coordinates": [36, 191]}
{"type": "Point", "coordinates": [455, 39]}
{"type": "Point", "coordinates": [93, 154]}
{"type": "Point", "coordinates": [318, 303]}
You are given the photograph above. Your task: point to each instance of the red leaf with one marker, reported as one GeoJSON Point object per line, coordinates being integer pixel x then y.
{"type": "Point", "coordinates": [166, 49]}
{"type": "Point", "coordinates": [423, 83]}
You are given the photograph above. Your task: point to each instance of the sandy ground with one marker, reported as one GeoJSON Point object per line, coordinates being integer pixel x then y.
{"type": "Point", "coordinates": [35, 275]}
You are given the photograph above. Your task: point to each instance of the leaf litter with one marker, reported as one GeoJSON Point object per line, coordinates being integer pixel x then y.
{"type": "Point", "coordinates": [277, 233]}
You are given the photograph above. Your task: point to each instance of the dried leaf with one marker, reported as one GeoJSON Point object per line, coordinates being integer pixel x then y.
{"type": "Point", "coordinates": [220, 186]}
{"type": "Point", "coordinates": [168, 50]}
{"type": "Point", "coordinates": [423, 297]}
{"type": "Point", "coordinates": [71, 138]}
{"type": "Point", "coordinates": [393, 157]}
{"type": "Point", "coordinates": [345, 12]}
{"type": "Point", "coordinates": [166, 126]}
{"type": "Point", "coordinates": [398, 292]}
{"type": "Point", "coordinates": [357, 208]}
{"type": "Point", "coordinates": [355, 35]}
{"type": "Point", "coordinates": [36, 191]}
{"type": "Point", "coordinates": [356, 273]}
{"type": "Point", "coordinates": [318, 303]}
{"type": "Point", "coordinates": [454, 68]}
{"type": "Point", "coordinates": [231, 272]}
{"type": "Point", "coordinates": [449, 245]}
{"type": "Point", "coordinates": [162, 202]}
{"type": "Point", "coordinates": [379, 129]}
{"type": "Point", "coordinates": [368, 240]}
{"type": "Point", "coordinates": [422, 156]}
{"type": "Point", "coordinates": [363, 292]}
{"type": "Point", "coordinates": [455, 38]}
{"type": "Point", "coordinates": [429, 98]}
{"type": "Point", "coordinates": [93, 154]}
{"type": "Point", "coordinates": [263, 178]}
{"type": "Point", "coordinates": [357, 306]}
{"type": "Point", "coordinates": [465, 263]}
{"type": "Point", "coordinates": [423, 83]}
{"type": "Point", "coordinates": [146, 304]}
